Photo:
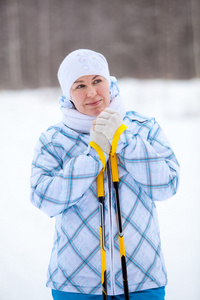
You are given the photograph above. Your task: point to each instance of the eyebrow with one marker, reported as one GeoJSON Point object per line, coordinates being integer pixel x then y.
{"type": "Point", "coordinates": [80, 81]}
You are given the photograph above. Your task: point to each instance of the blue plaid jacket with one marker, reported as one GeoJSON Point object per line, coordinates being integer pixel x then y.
{"type": "Point", "coordinates": [63, 185]}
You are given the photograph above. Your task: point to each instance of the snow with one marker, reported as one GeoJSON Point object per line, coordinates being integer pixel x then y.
{"type": "Point", "coordinates": [26, 234]}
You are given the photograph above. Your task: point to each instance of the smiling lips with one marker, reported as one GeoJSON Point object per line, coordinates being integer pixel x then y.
{"type": "Point", "coordinates": [94, 103]}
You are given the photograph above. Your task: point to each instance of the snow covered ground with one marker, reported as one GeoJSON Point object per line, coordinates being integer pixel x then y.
{"type": "Point", "coordinates": [26, 233]}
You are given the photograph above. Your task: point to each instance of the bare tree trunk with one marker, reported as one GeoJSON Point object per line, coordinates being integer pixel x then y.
{"type": "Point", "coordinates": [28, 36]}
{"type": "Point", "coordinates": [44, 43]}
{"type": "Point", "coordinates": [162, 38]}
{"type": "Point", "coordinates": [57, 35]}
{"type": "Point", "coordinates": [187, 45]}
{"type": "Point", "coordinates": [195, 21]}
{"type": "Point", "coordinates": [3, 48]}
{"type": "Point", "coordinates": [14, 57]}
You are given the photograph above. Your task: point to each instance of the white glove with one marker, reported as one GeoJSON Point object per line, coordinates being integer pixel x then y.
{"type": "Point", "coordinates": [108, 122]}
{"type": "Point", "coordinates": [101, 140]}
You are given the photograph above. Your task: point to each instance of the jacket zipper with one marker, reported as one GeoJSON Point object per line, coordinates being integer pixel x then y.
{"type": "Point", "coordinates": [112, 278]}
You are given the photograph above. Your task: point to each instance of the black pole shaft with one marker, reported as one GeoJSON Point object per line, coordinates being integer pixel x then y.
{"type": "Point", "coordinates": [120, 233]}
{"type": "Point", "coordinates": [102, 226]}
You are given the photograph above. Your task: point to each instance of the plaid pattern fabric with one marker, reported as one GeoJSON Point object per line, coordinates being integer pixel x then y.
{"type": "Point", "coordinates": [63, 184]}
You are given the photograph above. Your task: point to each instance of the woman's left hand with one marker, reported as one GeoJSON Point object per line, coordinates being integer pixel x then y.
{"type": "Point", "coordinates": [107, 123]}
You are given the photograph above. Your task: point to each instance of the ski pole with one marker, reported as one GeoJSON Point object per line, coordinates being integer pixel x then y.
{"type": "Point", "coordinates": [115, 179]}
{"type": "Point", "coordinates": [101, 197]}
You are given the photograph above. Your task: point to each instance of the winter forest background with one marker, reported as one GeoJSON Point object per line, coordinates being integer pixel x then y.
{"type": "Point", "coordinates": [153, 48]}
{"type": "Point", "coordinates": [140, 38]}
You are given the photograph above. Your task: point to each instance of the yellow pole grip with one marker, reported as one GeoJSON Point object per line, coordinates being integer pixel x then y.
{"type": "Point", "coordinates": [103, 257]}
{"type": "Point", "coordinates": [100, 184]}
{"type": "Point", "coordinates": [122, 246]}
{"type": "Point", "coordinates": [114, 167]}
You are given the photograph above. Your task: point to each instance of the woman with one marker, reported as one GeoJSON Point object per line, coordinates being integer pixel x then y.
{"type": "Point", "coordinates": [63, 184]}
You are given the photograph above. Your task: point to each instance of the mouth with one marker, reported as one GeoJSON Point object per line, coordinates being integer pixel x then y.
{"type": "Point", "coordinates": [94, 103]}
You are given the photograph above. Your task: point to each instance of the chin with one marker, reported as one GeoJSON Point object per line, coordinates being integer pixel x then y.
{"type": "Point", "coordinates": [97, 112]}
{"type": "Point", "coordinates": [100, 109]}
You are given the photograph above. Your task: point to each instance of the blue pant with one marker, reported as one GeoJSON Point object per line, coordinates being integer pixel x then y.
{"type": "Point", "coordinates": [151, 294]}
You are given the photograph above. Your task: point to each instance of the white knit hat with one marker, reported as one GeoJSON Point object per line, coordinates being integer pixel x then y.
{"type": "Point", "coordinates": [80, 63]}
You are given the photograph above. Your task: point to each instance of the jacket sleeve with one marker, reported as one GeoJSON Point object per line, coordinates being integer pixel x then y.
{"type": "Point", "coordinates": [149, 159]}
{"type": "Point", "coordinates": [56, 183]}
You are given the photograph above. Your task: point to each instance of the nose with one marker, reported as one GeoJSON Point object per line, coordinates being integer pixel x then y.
{"type": "Point", "coordinates": [91, 91]}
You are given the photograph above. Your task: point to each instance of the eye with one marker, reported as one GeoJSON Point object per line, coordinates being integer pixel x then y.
{"type": "Point", "coordinates": [97, 81]}
{"type": "Point", "coordinates": [80, 86]}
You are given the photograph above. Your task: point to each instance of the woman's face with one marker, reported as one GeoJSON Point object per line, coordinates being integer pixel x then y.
{"type": "Point", "coordinates": [90, 94]}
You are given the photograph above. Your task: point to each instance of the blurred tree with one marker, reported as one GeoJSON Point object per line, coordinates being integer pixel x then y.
{"type": "Point", "coordinates": [195, 21]}
{"type": "Point", "coordinates": [13, 47]}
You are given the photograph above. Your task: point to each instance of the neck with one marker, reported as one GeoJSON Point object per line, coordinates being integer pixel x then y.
{"type": "Point", "coordinates": [81, 123]}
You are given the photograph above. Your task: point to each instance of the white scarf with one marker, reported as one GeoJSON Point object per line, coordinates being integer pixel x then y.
{"type": "Point", "coordinates": [82, 123]}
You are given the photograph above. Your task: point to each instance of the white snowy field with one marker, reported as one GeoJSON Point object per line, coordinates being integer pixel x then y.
{"type": "Point", "coordinates": [26, 233]}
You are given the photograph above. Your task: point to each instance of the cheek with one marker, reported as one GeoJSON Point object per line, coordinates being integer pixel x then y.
{"type": "Point", "coordinates": [105, 92]}
{"type": "Point", "coordinates": [107, 96]}
{"type": "Point", "coordinates": [77, 98]}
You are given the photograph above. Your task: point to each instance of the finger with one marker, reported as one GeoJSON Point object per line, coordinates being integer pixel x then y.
{"type": "Point", "coordinates": [101, 121]}
{"type": "Point", "coordinates": [113, 112]}
{"type": "Point", "coordinates": [104, 114]}
{"type": "Point", "coordinates": [110, 111]}
{"type": "Point", "coordinates": [99, 128]}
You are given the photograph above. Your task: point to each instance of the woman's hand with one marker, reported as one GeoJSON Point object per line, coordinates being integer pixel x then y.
{"type": "Point", "coordinates": [107, 123]}
{"type": "Point", "coordinates": [101, 140]}
{"type": "Point", "coordinates": [104, 128]}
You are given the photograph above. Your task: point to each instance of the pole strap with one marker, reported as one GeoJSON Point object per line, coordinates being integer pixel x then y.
{"type": "Point", "coordinates": [99, 152]}
{"type": "Point", "coordinates": [113, 156]}
{"type": "Point", "coordinates": [116, 137]}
